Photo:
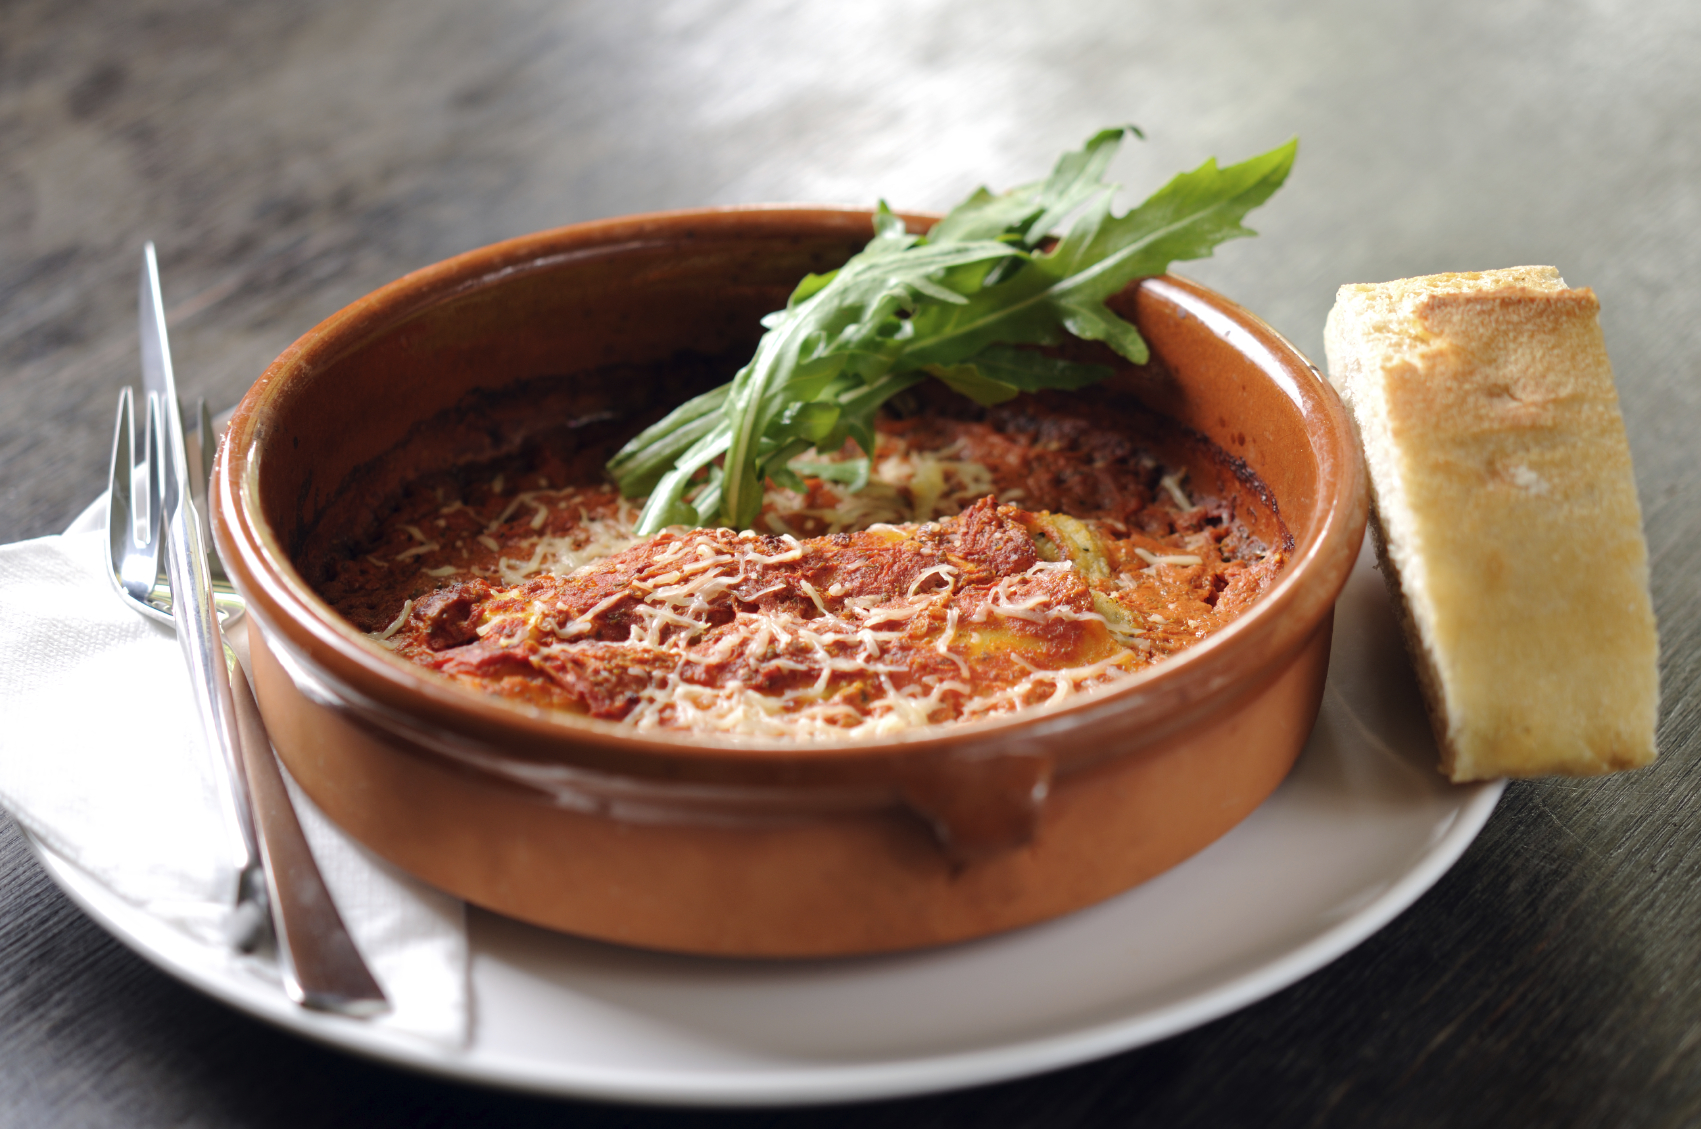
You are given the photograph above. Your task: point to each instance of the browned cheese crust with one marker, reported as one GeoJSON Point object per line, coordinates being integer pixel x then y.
{"type": "Point", "coordinates": [1506, 516]}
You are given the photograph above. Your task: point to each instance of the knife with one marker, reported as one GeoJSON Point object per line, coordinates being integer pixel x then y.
{"type": "Point", "coordinates": [321, 967]}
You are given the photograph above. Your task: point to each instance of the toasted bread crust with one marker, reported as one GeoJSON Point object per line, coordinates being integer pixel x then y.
{"type": "Point", "coordinates": [1507, 516]}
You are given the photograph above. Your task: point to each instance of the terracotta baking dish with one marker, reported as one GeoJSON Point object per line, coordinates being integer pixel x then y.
{"type": "Point", "coordinates": [723, 846]}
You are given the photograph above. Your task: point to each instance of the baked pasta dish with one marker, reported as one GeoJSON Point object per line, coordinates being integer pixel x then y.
{"type": "Point", "coordinates": [980, 562]}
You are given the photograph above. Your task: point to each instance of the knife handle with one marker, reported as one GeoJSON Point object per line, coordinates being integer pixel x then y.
{"type": "Point", "coordinates": [321, 967]}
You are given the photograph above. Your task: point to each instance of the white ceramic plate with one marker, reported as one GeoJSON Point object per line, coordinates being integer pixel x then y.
{"type": "Point", "coordinates": [1362, 827]}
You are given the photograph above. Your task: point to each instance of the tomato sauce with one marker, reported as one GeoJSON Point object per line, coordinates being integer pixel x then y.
{"type": "Point", "coordinates": [970, 568]}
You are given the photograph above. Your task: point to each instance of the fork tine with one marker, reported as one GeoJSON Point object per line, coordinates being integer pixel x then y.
{"type": "Point", "coordinates": [151, 538]}
{"type": "Point", "coordinates": [209, 447]}
{"type": "Point", "coordinates": [120, 519]}
{"type": "Point", "coordinates": [193, 466]}
{"type": "Point", "coordinates": [207, 443]}
{"type": "Point", "coordinates": [133, 511]}
{"type": "Point", "coordinates": [144, 491]}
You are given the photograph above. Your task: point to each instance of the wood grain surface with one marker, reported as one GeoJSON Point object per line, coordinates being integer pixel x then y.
{"type": "Point", "coordinates": [288, 158]}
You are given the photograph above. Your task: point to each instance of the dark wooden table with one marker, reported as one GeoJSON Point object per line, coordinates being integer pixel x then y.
{"type": "Point", "coordinates": [290, 157]}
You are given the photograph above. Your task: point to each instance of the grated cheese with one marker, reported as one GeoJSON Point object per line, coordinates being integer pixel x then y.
{"type": "Point", "coordinates": [818, 663]}
{"type": "Point", "coordinates": [1180, 560]}
{"type": "Point", "coordinates": [396, 624]}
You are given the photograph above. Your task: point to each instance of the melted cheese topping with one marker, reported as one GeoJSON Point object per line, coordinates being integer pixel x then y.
{"type": "Point", "coordinates": [912, 598]}
{"type": "Point", "coordinates": [848, 636]}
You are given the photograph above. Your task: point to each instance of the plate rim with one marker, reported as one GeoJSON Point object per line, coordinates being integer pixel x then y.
{"type": "Point", "coordinates": [904, 1076]}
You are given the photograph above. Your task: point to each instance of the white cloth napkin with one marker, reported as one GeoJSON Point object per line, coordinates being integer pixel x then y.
{"type": "Point", "coordinates": [100, 760]}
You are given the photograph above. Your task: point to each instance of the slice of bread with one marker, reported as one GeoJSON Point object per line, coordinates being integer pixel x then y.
{"type": "Point", "coordinates": [1505, 516]}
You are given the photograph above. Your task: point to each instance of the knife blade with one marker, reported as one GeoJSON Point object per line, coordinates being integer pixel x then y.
{"type": "Point", "coordinates": [320, 965]}
{"type": "Point", "coordinates": [191, 591]}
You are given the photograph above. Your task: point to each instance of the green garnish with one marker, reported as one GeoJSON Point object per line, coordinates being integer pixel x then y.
{"type": "Point", "coordinates": [950, 305]}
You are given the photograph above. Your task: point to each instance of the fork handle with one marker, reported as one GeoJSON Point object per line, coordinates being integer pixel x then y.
{"type": "Point", "coordinates": [321, 967]}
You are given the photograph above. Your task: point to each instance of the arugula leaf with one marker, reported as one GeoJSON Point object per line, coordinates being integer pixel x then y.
{"type": "Point", "coordinates": [642, 462]}
{"type": "Point", "coordinates": [999, 373]}
{"type": "Point", "coordinates": [1100, 255]}
{"type": "Point", "coordinates": [950, 305]}
{"type": "Point", "coordinates": [851, 472]}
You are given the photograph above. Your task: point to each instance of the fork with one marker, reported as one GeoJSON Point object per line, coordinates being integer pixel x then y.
{"type": "Point", "coordinates": [321, 967]}
{"type": "Point", "coordinates": [135, 562]}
